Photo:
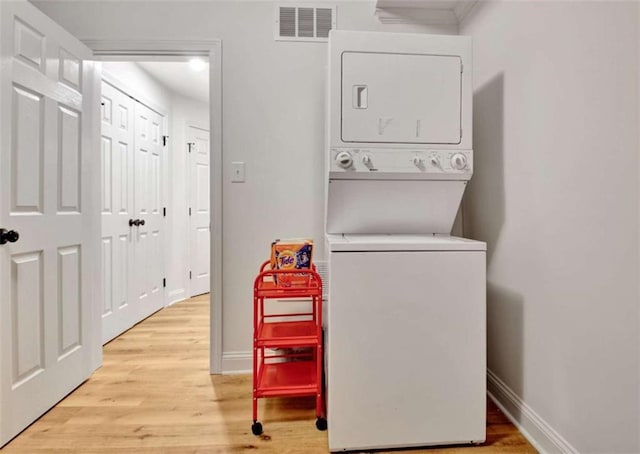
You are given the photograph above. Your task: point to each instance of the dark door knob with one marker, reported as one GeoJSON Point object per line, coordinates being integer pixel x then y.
{"type": "Point", "coordinates": [142, 221]}
{"type": "Point", "coordinates": [133, 222]}
{"type": "Point", "coordinates": [8, 236]}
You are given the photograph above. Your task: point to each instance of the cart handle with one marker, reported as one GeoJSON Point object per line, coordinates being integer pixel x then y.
{"type": "Point", "coordinates": [267, 273]}
{"type": "Point", "coordinates": [268, 263]}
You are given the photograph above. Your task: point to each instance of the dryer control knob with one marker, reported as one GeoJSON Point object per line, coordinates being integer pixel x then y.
{"type": "Point", "coordinates": [459, 161]}
{"type": "Point", "coordinates": [344, 159]}
{"type": "Point", "coordinates": [366, 160]}
{"type": "Point", "coordinates": [435, 161]}
{"type": "Point", "coordinates": [417, 161]}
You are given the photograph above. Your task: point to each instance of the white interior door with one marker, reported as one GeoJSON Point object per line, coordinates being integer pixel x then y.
{"type": "Point", "coordinates": [48, 110]}
{"type": "Point", "coordinates": [117, 149]}
{"type": "Point", "coordinates": [199, 219]}
{"type": "Point", "coordinates": [148, 264]}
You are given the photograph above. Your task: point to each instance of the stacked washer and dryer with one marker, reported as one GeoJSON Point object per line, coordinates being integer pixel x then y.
{"type": "Point", "coordinates": [406, 326]}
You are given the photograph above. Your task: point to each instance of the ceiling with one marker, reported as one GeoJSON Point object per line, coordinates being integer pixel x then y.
{"type": "Point", "coordinates": [180, 78]}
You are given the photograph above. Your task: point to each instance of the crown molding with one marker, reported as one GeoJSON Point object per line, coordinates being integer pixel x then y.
{"type": "Point", "coordinates": [451, 12]}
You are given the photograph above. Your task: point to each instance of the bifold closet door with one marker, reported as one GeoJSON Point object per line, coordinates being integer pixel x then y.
{"type": "Point", "coordinates": [117, 146]}
{"type": "Point", "coordinates": [148, 264]}
{"type": "Point", "coordinates": [132, 259]}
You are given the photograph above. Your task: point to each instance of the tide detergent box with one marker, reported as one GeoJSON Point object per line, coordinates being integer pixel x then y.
{"type": "Point", "coordinates": [291, 255]}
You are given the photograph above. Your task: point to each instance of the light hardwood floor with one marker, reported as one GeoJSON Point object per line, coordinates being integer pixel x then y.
{"type": "Point", "coordinates": [154, 394]}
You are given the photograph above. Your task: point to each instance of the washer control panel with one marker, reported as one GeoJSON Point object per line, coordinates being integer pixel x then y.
{"type": "Point", "coordinates": [402, 161]}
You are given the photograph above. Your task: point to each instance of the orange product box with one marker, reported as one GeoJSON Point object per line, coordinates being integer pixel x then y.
{"type": "Point", "coordinates": [291, 255]}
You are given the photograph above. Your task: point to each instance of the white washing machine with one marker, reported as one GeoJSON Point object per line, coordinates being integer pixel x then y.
{"type": "Point", "coordinates": [405, 340]}
{"type": "Point", "coordinates": [405, 327]}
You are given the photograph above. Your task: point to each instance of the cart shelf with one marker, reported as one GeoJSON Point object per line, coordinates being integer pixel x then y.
{"type": "Point", "coordinates": [285, 334]}
{"type": "Point", "coordinates": [269, 289]}
{"type": "Point", "coordinates": [298, 378]}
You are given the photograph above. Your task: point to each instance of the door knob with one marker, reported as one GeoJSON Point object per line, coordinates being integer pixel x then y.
{"type": "Point", "coordinates": [8, 236]}
{"type": "Point", "coordinates": [141, 222]}
{"type": "Point", "coordinates": [133, 222]}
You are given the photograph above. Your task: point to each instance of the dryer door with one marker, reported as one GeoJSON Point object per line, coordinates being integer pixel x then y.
{"type": "Point", "coordinates": [401, 98]}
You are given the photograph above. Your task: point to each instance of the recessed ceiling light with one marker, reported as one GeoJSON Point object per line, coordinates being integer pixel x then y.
{"type": "Point", "coordinates": [197, 64]}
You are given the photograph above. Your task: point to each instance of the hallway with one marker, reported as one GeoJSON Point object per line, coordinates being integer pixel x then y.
{"type": "Point", "coordinates": [154, 394]}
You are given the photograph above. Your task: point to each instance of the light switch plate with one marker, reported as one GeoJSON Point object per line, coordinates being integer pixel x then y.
{"type": "Point", "coordinates": [237, 172]}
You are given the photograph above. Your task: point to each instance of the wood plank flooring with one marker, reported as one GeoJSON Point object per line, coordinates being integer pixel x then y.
{"type": "Point", "coordinates": [154, 394]}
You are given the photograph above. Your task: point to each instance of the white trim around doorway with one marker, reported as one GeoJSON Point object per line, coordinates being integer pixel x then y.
{"type": "Point", "coordinates": [123, 50]}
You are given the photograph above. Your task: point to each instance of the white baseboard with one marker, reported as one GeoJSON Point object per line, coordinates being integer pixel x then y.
{"type": "Point", "coordinates": [175, 296]}
{"type": "Point", "coordinates": [536, 430]}
{"type": "Point", "coordinates": [237, 363]}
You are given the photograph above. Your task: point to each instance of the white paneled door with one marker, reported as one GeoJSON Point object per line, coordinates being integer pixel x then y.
{"type": "Point", "coordinates": [132, 259]}
{"type": "Point", "coordinates": [148, 264]}
{"type": "Point", "coordinates": [117, 149]}
{"type": "Point", "coordinates": [199, 220]}
{"type": "Point", "coordinates": [50, 232]}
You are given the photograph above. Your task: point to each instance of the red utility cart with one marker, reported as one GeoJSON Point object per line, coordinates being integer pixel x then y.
{"type": "Point", "coordinates": [278, 369]}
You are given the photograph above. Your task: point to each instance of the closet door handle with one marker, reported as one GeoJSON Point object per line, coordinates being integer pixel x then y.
{"type": "Point", "coordinates": [135, 222]}
{"type": "Point", "coordinates": [8, 236]}
{"type": "Point", "coordinates": [141, 222]}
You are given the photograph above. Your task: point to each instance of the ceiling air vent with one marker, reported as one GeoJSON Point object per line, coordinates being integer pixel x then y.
{"type": "Point", "coordinates": [304, 22]}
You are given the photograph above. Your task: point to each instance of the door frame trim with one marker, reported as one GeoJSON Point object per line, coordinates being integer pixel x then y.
{"type": "Point", "coordinates": [123, 50]}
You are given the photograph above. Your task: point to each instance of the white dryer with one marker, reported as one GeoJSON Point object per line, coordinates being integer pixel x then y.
{"type": "Point", "coordinates": [399, 132]}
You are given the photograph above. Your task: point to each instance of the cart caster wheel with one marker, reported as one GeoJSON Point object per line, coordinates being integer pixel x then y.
{"type": "Point", "coordinates": [321, 424]}
{"type": "Point", "coordinates": [256, 428]}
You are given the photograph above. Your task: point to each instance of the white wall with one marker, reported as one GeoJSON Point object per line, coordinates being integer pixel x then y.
{"type": "Point", "coordinates": [555, 195]}
{"type": "Point", "coordinates": [273, 119]}
{"type": "Point", "coordinates": [134, 77]}
{"type": "Point", "coordinates": [183, 110]}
